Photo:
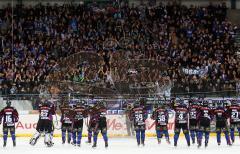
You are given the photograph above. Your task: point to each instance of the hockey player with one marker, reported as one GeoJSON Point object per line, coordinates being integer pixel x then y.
{"type": "Point", "coordinates": [233, 111]}
{"type": "Point", "coordinates": [10, 116]}
{"type": "Point", "coordinates": [221, 123]}
{"type": "Point", "coordinates": [66, 122]}
{"type": "Point", "coordinates": [204, 117]}
{"type": "Point", "coordinates": [101, 124]}
{"type": "Point", "coordinates": [193, 108]}
{"type": "Point", "coordinates": [91, 111]}
{"type": "Point", "coordinates": [78, 114]}
{"type": "Point", "coordinates": [139, 115]}
{"type": "Point", "coordinates": [181, 122]}
{"type": "Point", "coordinates": [130, 127]}
{"type": "Point", "coordinates": [160, 115]}
{"type": "Point", "coordinates": [45, 123]}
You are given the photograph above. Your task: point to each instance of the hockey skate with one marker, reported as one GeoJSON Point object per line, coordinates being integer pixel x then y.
{"type": "Point", "coordinates": [168, 141]}
{"type": "Point", "coordinates": [49, 144]}
{"type": "Point", "coordinates": [14, 143]}
{"type": "Point", "coordinates": [206, 144]}
{"type": "Point", "coordinates": [4, 143]}
{"type": "Point", "coordinates": [193, 141]}
{"type": "Point", "coordinates": [94, 145]}
{"type": "Point", "coordinates": [175, 144]}
{"type": "Point", "coordinates": [106, 144]}
{"type": "Point", "coordinates": [229, 143]}
{"type": "Point", "coordinates": [33, 141]}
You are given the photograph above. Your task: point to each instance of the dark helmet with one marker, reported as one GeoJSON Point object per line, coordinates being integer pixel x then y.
{"type": "Point", "coordinates": [234, 102]}
{"type": "Point", "coordinates": [78, 104]}
{"type": "Point", "coordinates": [136, 104]}
{"type": "Point", "coordinates": [45, 102]}
{"type": "Point", "coordinates": [193, 102]}
{"type": "Point", "coordinates": [8, 103]}
{"type": "Point", "coordinates": [205, 103]}
{"type": "Point", "coordinates": [181, 103]}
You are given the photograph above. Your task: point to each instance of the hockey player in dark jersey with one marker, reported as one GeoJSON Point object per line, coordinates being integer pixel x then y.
{"type": "Point", "coordinates": [160, 115]}
{"type": "Point", "coordinates": [9, 116]}
{"type": "Point", "coordinates": [78, 114]}
{"type": "Point", "coordinates": [91, 112]}
{"type": "Point", "coordinates": [45, 123]}
{"type": "Point", "coordinates": [66, 122]}
{"type": "Point", "coordinates": [101, 124]}
{"type": "Point", "coordinates": [204, 117]}
{"type": "Point", "coordinates": [193, 108]}
{"type": "Point", "coordinates": [221, 123]}
{"type": "Point", "coordinates": [181, 122]}
{"type": "Point", "coordinates": [138, 116]}
{"type": "Point", "coordinates": [233, 111]}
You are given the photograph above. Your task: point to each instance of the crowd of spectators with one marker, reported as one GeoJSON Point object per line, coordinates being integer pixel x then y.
{"type": "Point", "coordinates": [37, 40]}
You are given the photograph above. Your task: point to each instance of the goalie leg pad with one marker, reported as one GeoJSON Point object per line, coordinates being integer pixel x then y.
{"type": "Point", "coordinates": [35, 138]}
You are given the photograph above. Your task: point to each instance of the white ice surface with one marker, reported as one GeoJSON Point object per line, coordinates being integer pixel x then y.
{"type": "Point", "coordinates": [120, 146]}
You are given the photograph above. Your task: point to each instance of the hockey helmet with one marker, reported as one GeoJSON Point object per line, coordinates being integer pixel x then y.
{"type": "Point", "coordinates": [8, 103]}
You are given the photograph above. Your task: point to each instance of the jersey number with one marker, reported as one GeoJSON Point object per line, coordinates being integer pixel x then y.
{"type": "Point", "coordinates": [8, 118]}
{"type": "Point", "coordinates": [180, 116]}
{"type": "Point", "coordinates": [161, 118]}
{"type": "Point", "coordinates": [139, 117]}
{"type": "Point", "coordinates": [44, 113]}
{"type": "Point", "coordinates": [234, 115]}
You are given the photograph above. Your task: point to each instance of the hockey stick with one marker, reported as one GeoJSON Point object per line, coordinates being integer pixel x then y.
{"type": "Point", "coordinates": [56, 123]}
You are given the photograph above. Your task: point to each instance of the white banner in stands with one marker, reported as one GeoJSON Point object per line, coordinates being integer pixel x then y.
{"type": "Point", "coordinates": [116, 125]}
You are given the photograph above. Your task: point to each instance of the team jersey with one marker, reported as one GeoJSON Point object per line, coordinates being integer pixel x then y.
{"type": "Point", "coordinates": [65, 115]}
{"type": "Point", "coordinates": [9, 116]}
{"type": "Point", "coordinates": [193, 110]}
{"type": "Point", "coordinates": [46, 111]}
{"type": "Point", "coordinates": [181, 115]}
{"type": "Point", "coordinates": [102, 115]}
{"type": "Point", "coordinates": [79, 113]}
{"type": "Point", "coordinates": [204, 113]}
{"type": "Point", "coordinates": [233, 112]}
{"type": "Point", "coordinates": [139, 115]}
{"type": "Point", "coordinates": [160, 116]}
{"type": "Point", "coordinates": [220, 114]}
{"type": "Point", "coordinates": [93, 116]}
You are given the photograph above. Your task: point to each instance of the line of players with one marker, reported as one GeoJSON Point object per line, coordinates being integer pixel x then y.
{"type": "Point", "coordinates": [193, 118]}
{"type": "Point", "coordinates": [72, 118]}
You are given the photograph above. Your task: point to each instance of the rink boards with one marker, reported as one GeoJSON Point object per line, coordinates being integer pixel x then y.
{"type": "Point", "coordinates": [117, 126]}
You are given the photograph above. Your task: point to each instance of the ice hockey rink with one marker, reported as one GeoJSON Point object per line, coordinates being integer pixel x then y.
{"type": "Point", "coordinates": [120, 146]}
